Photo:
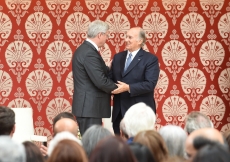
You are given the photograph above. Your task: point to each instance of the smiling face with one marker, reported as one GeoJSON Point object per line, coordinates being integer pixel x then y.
{"type": "Point", "coordinates": [132, 40]}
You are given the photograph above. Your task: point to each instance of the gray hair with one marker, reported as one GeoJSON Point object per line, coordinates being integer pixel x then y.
{"type": "Point", "coordinates": [142, 36]}
{"type": "Point", "coordinates": [96, 27]}
{"type": "Point", "coordinates": [123, 129]}
{"type": "Point", "coordinates": [92, 136]}
{"type": "Point", "coordinates": [174, 137]}
{"type": "Point", "coordinates": [196, 120]}
{"type": "Point", "coordinates": [139, 117]}
{"type": "Point", "coordinates": [11, 150]}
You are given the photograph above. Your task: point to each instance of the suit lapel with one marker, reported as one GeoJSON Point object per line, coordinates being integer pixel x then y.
{"type": "Point", "coordinates": [134, 62]}
{"type": "Point", "coordinates": [123, 59]}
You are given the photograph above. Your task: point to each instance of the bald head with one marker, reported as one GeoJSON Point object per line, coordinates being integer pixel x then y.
{"type": "Point", "coordinates": [206, 133]}
{"type": "Point", "coordinates": [66, 124]}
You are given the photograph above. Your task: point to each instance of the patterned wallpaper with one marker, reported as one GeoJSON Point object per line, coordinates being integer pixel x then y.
{"type": "Point", "coordinates": [190, 37]}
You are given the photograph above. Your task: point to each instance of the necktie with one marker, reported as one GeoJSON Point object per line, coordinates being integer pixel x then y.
{"type": "Point", "coordinates": [128, 61]}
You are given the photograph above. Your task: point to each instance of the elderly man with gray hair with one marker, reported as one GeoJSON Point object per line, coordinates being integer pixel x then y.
{"type": "Point", "coordinates": [11, 151]}
{"type": "Point", "coordinates": [197, 120]}
{"type": "Point", "coordinates": [139, 117]}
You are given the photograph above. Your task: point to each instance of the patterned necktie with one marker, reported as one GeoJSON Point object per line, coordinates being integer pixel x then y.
{"type": "Point", "coordinates": [128, 61]}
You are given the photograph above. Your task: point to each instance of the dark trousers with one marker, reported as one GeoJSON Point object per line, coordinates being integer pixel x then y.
{"type": "Point", "coordinates": [84, 123]}
{"type": "Point", "coordinates": [116, 124]}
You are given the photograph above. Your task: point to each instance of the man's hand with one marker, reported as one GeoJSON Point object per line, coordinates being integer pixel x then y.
{"type": "Point", "coordinates": [43, 150]}
{"type": "Point", "coordinates": [122, 87]}
{"type": "Point", "coordinates": [109, 64]}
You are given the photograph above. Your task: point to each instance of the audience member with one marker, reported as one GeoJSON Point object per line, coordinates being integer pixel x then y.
{"type": "Point", "coordinates": [64, 115]}
{"type": "Point", "coordinates": [175, 159]}
{"type": "Point", "coordinates": [68, 151]}
{"type": "Point", "coordinates": [92, 136]}
{"type": "Point", "coordinates": [33, 153]}
{"type": "Point", "coordinates": [139, 117]}
{"type": "Point", "coordinates": [141, 152]}
{"type": "Point", "coordinates": [213, 152]}
{"type": "Point", "coordinates": [7, 121]}
{"type": "Point", "coordinates": [112, 149]}
{"type": "Point", "coordinates": [174, 137]}
{"type": "Point", "coordinates": [123, 132]}
{"type": "Point", "coordinates": [10, 151]}
{"type": "Point", "coordinates": [196, 120]}
{"type": "Point", "coordinates": [59, 137]}
{"type": "Point", "coordinates": [207, 133]}
{"type": "Point", "coordinates": [66, 124]}
{"type": "Point", "coordinates": [154, 142]}
{"type": "Point", "coordinates": [68, 115]}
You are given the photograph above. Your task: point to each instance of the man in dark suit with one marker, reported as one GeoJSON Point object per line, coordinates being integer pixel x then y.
{"type": "Point", "coordinates": [92, 87]}
{"type": "Point", "coordinates": [136, 80]}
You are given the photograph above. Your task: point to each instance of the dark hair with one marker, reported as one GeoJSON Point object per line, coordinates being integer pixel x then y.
{"type": "Point", "coordinates": [63, 115]}
{"type": "Point", "coordinates": [141, 152]}
{"type": "Point", "coordinates": [68, 151]}
{"type": "Point", "coordinates": [156, 144]}
{"type": "Point", "coordinates": [112, 149]}
{"type": "Point", "coordinates": [33, 154]}
{"type": "Point", "coordinates": [7, 120]}
{"type": "Point", "coordinates": [213, 152]}
{"type": "Point", "coordinates": [200, 142]}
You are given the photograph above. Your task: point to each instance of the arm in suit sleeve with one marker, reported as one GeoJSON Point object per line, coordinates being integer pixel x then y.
{"type": "Point", "coordinates": [97, 72]}
{"type": "Point", "coordinates": [151, 77]}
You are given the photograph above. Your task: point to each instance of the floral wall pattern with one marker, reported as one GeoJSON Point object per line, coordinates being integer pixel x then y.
{"type": "Point", "coordinates": [190, 37]}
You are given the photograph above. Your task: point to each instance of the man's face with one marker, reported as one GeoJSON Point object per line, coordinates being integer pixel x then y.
{"type": "Point", "coordinates": [103, 37]}
{"type": "Point", "coordinates": [132, 40]}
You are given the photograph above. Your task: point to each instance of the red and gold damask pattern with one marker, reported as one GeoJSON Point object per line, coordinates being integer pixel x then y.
{"type": "Point", "coordinates": [190, 37]}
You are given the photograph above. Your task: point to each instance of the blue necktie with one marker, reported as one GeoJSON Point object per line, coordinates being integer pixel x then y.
{"type": "Point", "coordinates": [128, 61]}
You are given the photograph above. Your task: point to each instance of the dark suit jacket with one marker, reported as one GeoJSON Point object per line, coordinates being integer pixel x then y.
{"type": "Point", "coordinates": [141, 75]}
{"type": "Point", "coordinates": [92, 87]}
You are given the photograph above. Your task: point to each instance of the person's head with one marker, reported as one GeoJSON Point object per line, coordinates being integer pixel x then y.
{"type": "Point", "coordinates": [66, 124]}
{"type": "Point", "coordinates": [11, 150]}
{"type": "Point", "coordinates": [123, 132]}
{"type": "Point", "coordinates": [139, 117]}
{"type": "Point", "coordinates": [92, 136]}
{"type": "Point", "coordinates": [153, 140]}
{"type": "Point", "coordinates": [135, 39]}
{"type": "Point", "coordinates": [59, 137]}
{"type": "Point", "coordinates": [213, 152]}
{"type": "Point", "coordinates": [68, 150]}
{"type": "Point", "coordinates": [98, 32]}
{"type": "Point", "coordinates": [63, 115]}
{"type": "Point", "coordinates": [196, 120]}
{"type": "Point", "coordinates": [141, 152]}
{"type": "Point", "coordinates": [33, 154]}
{"type": "Point", "coordinates": [210, 134]}
{"type": "Point", "coordinates": [7, 121]}
{"type": "Point", "coordinates": [174, 137]}
{"type": "Point", "coordinates": [112, 149]}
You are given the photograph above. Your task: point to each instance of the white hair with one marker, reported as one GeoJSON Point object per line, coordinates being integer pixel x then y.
{"type": "Point", "coordinates": [59, 137]}
{"type": "Point", "coordinates": [139, 117]}
{"type": "Point", "coordinates": [96, 27]}
{"type": "Point", "coordinates": [174, 137]}
{"type": "Point", "coordinates": [10, 150]}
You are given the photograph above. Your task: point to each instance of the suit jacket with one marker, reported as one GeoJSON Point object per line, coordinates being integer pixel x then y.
{"type": "Point", "coordinates": [92, 85]}
{"type": "Point", "coordinates": [141, 75]}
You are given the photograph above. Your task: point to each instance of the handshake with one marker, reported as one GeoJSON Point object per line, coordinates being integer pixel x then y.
{"type": "Point", "coordinates": [121, 87]}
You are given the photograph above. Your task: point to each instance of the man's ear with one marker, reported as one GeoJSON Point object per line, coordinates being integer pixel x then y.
{"type": "Point", "coordinates": [13, 130]}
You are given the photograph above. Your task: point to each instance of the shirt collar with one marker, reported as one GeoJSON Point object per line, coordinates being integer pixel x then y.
{"type": "Point", "coordinates": [133, 53]}
{"type": "Point", "coordinates": [94, 44]}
